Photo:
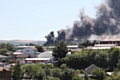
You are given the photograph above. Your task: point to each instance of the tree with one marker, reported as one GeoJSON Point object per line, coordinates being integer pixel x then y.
{"type": "Point", "coordinates": [67, 74]}
{"type": "Point", "coordinates": [99, 74]}
{"type": "Point", "coordinates": [113, 77]}
{"type": "Point", "coordinates": [31, 44]}
{"type": "Point", "coordinates": [7, 46]}
{"type": "Point", "coordinates": [60, 50]}
{"type": "Point", "coordinates": [86, 77]}
{"type": "Point", "coordinates": [118, 64]}
{"type": "Point", "coordinates": [101, 59]}
{"type": "Point", "coordinates": [3, 51]}
{"type": "Point", "coordinates": [87, 43]}
{"type": "Point", "coordinates": [114, 57]}
{"type": "Point", "coordinates": [76, 77]}
{"type": "Point", "coordinates": [52, 78]}
{"type": "Point", "coordinates": [94, 42]}
{"type": "Point", "coordinates": [34, 71]}
{"type": "Point", "coordinates": [17, 71]}
{"type": "Point", "coordinates": [39, 48]}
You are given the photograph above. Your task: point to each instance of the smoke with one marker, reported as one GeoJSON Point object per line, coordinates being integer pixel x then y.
{"type": "Point", "coordinates": [107, 22]}
{"type": "Point", "coordinates": [50, 38]}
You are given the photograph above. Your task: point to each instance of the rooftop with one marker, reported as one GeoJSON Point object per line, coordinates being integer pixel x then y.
{"type": "Point", "coordinates": [33, 47]}
{"type": "Point", "coordinates": [46, 54]}
{"type": "Point", "coordinates": [2, 56]}
{"type": "Point", "coordinates": [90, 68]}
{"type": "Point", "coordinates": [32, 59]}
{"type": "Point", "coordinates": [2, 68]}
{"type": "Point", "coordinates": [111, 38]}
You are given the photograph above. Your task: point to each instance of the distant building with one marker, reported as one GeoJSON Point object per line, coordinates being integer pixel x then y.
{"type": "Point", "coordinates": [45, 57]}
{"type": "Point", "coordinates": [29, 50]}
{"type": "Point", "coordinates": [111, 39]}
{"type": "Point", "coordinates": [107, 42]}
{"type": "Point", "coordinates": [90, 68]}
{"type": "Point", "coordinates": [72, 48]}
{"type": "Point", "coordinates": [101, 46]}
{"type": "Point", "coordinates": [35, 60]}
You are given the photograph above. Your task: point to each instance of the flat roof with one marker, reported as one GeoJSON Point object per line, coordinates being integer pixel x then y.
{"type": "Point", "coordinates": [111, 38]}
{"type": "Point", "coordinates": [39, 59]}
{"type": "Point", "coordinates": [104, 45]}
{"type": "Point", "coordinates": [94, 47]}
{"type": "Point", "coordinates": [72, 46]}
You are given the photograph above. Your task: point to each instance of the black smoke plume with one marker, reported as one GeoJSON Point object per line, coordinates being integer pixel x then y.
{"type": "Point", "coordinates": [107, 22]}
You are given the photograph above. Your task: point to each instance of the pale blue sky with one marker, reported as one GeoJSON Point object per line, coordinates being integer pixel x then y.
{"type": "Point", "coordinates": [34, 19]}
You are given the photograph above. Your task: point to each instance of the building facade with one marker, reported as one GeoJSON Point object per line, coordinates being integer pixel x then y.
{"type": "Point", "coordinates": [111, 39]}
{"type": "Point", "coordinates": [30, 50]}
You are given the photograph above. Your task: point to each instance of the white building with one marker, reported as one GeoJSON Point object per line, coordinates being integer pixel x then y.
{"type": "Point", "coordinates": [30, 50]}
{"type": "Point", "coordinates": [44, 57]}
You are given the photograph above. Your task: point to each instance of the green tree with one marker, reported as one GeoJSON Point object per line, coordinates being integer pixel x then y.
{"type": "Point", "coordinates": [52, 78]}
{"type": "Point", "coordinates": [40, 48]}
{"type": "Point", "coordinates": [118, 64]}
{"type": "Point", "coordinates": [101, 59]}
{"type": "Point", "coordinates": [113, 77]}
{"type": "Point", "coordinates": [87, 43]}
{"type": "Point", "coordinates": [17, 71]}
{"type": "Point", "coordinates": [3, 51]}
{"type": "Point", "coordinates": [63, 66]}
{"type": "Point", "coordinates": [31, 44]}
{"type": "Point", "coordinates": [60, 50]}
{"type": "Point", "coordinates": [94, 42]}
{"type": "Point", "coordinates": [114, 57]}
{"type": "Point", "coordinates": [67, 74]}
{"type": "Point", "coordinates": [56, 72]}
{"type": "Point", "coordinates": [86, 77]}
{"type": "Point", "coordinates": [8, 46]}
{"type": "Point", "coordinates": [76, 77]}
{"type": "Point", "coordinates": [34, 71]}
{"type": "Point", "coordinates": [99, 74]}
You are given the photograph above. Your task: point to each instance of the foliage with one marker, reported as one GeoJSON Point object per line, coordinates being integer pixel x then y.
{"type": "Point", "coordinates": [63, 66]}
{"type": "Point", "coordinates": [17, 73]}
{"type": "Point", "coordinates": [34, 71]}
{"type": "Point", "coordinates": [3, 51]}
{"type": "Point", "coordinates": [60, 50]}
{"type": "Point", "coordinates": [114, 58]}
{"type": "Point", "coordinates": [86, 77]}
{"type": "Point", "coordinates": [40, 48]}
{"type": "Point", "coordinates": [52, 78]}
{"type": "Point", "coordinates": [71, 65]}
{"type": "Point", "coordinates": [101, 59]}
{"type": "Point", "coordinates": [77, 60]}
{"type": "Point", "coordinates": [7, 46]}
{"type": "Point", "coordinates": [99, 74]}
{"type": "Point", "coordinates": [76, 77]}
{"type": "Point", "coordinates": [87, 43]}
{"type": "Point", "coordinates": [113, 77]}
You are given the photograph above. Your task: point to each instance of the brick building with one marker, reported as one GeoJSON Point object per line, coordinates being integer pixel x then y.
{"type": "Point", "coordinates": [5, 74]}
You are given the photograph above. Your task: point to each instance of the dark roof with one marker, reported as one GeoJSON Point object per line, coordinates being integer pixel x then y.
{"type": "Point", "coordinates": [22, 55]}
{"type": "Point", "coordinates": [89, 69]}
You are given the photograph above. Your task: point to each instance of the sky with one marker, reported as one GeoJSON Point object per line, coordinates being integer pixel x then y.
{"type": "Point", "coordinates": [34, 19]}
